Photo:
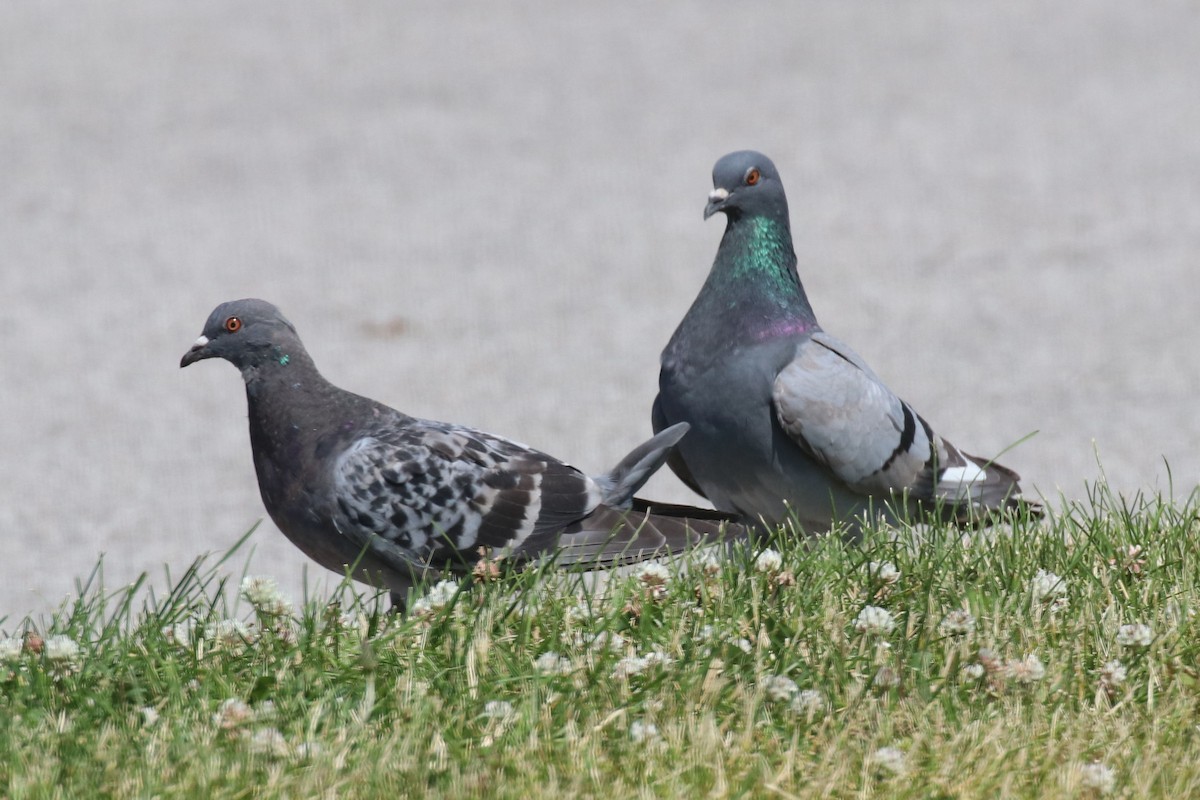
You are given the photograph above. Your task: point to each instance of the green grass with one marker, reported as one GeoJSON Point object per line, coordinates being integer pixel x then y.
{"type": "Point", "coordinates": [534, 685]}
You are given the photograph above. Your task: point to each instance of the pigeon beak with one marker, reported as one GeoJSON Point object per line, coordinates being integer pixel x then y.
{"type": "Point", "coordinates": [198, 352]}
{"type": "Point", "coordinates": [716, 202]}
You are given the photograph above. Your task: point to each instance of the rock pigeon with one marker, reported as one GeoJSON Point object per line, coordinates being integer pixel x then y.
{"type": "Point", "coordinates": [354, 483]}
{"type": "Point", "coordinates": [788, 423]}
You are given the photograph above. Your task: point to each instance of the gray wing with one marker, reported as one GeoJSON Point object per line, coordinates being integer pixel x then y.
{"type": "Point", "coordinates": [430, 495]}
{"type": "Point", "coordinates": [839, 412]}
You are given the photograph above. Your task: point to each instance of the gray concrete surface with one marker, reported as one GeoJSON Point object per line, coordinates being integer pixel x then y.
{"type": "Point", "coordinates": [494, 217]}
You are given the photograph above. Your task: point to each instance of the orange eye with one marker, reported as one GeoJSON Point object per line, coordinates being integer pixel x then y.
{"type": "Point", "coordinates": [752, 176]}
{"type": "Point", "coordinates": [233, 324]}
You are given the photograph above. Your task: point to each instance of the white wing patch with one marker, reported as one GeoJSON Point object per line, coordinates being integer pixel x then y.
{"type": "Point", "coordinates": [956, 482]}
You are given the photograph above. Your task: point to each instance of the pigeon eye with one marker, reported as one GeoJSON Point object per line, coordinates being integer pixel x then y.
{"type": "Point", "coordinates": [233, 324]}
{"type": "Point", "coordinates": [752, 176]}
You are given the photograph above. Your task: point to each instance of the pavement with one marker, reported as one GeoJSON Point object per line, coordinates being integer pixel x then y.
{"type": "Point", "coordinates": [492, 215]}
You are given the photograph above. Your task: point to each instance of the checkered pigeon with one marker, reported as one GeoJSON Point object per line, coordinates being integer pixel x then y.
{"type": "Point", "coordinates": [396, 499]}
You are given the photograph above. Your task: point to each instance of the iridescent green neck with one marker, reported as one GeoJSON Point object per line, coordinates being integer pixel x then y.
{"type": "Point", "coordinates": [768, 253]}
{"type": "Point", "coordinates": [757, 252]}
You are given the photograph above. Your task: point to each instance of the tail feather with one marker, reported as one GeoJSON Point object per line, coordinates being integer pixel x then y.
{"type": "Point", "coordinates": [992, 500]}
{"type": "Point", "coordinates": [618, 485]}
{"type": "Point", "coordinates": [610, 537]}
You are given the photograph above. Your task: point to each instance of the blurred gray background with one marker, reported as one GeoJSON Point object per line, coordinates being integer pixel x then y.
{"type": "Point", "coordinates": [492, 215]}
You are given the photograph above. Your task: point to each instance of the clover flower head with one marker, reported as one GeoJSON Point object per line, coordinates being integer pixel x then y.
{"type": "Point", "coordinates": [1026, 670]}
{"type": "Point", "coordinates": [808, 701]}
{"type": "Point", "coordinates": [958, 622]}
{"type": "Point", "coordinates": [768, 562]}
{"type": "Point", "coordinates": [498, 709]}
{"type": "Point", "coordinates": [1135, 635]}
{"type": "Point", "coordinates": [262, 592]}
{"type": "Point", "coordinates": [889, 760]}
{"type": "Point", "coordinates": [551, 663]}
{"type": "Point", "coordinates": [10, 650]}
{"type": "Point", "coordinates": [780, 688]}
{"type": "Point", "coordinates": [1098, 777]}
{"type": "Point", "coordinates": [644, 732]}
{"type": "Point", "coordinates": [654, 574]}
{"type": "Point", "coordinates": [883, 571]}
{"type": "Point", "coordinates": [874, 620]}
{"type": "Point", "coordinates": [1046, 586]}
{"type": "Point", "coordinates": [436, 599]}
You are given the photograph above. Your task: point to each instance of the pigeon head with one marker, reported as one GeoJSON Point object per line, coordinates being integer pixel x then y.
{"type": "Point", "coordinates": [246, 333]}
{"type": "Point", "coordinates": [746, 183]}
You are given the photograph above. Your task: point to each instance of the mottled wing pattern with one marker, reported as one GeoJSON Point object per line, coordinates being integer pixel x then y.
{"type": "Point", "coordinates": [431, 494]}
{"type": "Point", "coordinates": [839, 412]}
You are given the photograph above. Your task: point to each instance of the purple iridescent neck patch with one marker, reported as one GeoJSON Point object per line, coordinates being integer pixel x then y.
{"type": "Point", "coordinates": [782, 328]}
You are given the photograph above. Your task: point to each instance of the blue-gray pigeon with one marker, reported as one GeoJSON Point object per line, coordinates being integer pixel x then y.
{"type": "Point", "coordinates": [788, 423]}
{"type": "Point", "coordinates": [354, 483]}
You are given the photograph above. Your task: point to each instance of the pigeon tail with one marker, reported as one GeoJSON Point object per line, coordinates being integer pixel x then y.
{"type": "Point", "coordinates": [611, 537]}
{"type": "Point", "coordinates": [618, 485]}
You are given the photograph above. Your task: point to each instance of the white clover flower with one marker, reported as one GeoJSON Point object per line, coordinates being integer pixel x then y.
{"type": "Point", "coordinates": [874, 620]}
{"type": "Point", "coordinates": [1098, 777]}
{"type": "Point", "coordinates": [1027, 670]}
{"type": "Point", "coordinates": [884, 571]}
{"type": "Point", "coordinates": [958, 622]}
{"type": "Point", "coordinates": [149, 716]}
{"type": "Point", "coordinates": [653, 574]}
{"type": "Point", "coordinates": [229, 634]}
{"type": "Point", "coordinates": [580, 612]}
{"type": "Point", "coordinates": [768, 562]}
{"type": "Point", "coordinates": [551, 663]}
{"type": "Point", "coordinates": [63, 655]}
{"type": "Point", "coordinates": [779, 688]}
{"type": "Point", "coordinates": [974, 672]}
{"type": "Point", "coordinates": [10, 650]}
{"type": "Point", "coordinates": [268, 741]}
{"type": "Point", "coordinates": [354, 620]}
{"type": "Point", "coordinates": [1135, 634]}
{"type": "Point", "coordinates": [285, 631]}
{"type": "Point", "coordinates": [630, 665]}
{"type": "Point", "coordinates": [262, 592]}
{"type": "Point", "coordinates": [1112, 675]}
{"type": "Point", "coordinates": [992, 663]}
{"type": "Point", "coordinates": [636, 665]}
{"type": "Point", "coordinates": [498, 709]}
{"type": "Point", "coordinates": [886, 678]}
{"type": "Point", "coordinates": [641, 731]}
{"type": "Point", "coordinates": [602, 641]}
{"type": "Point", "coordinates": [1046, 586]}
{"type": "Point", "coordinates": [62, 649]}
{"type": "Point", "coordinates": [889, 759]}
{"type": "Point", "coordinates": [710, 565]}
{"type": "Point", "coordinates": [180, 633]}
{"type": "Point", "coordinates": [436, 599]}
{"type": "Point", "coordinates": [656, 658]}
{"type": "Point", "coordinates": [808, 701]}
{"type": "Point", "coordinates": [232, 713]}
